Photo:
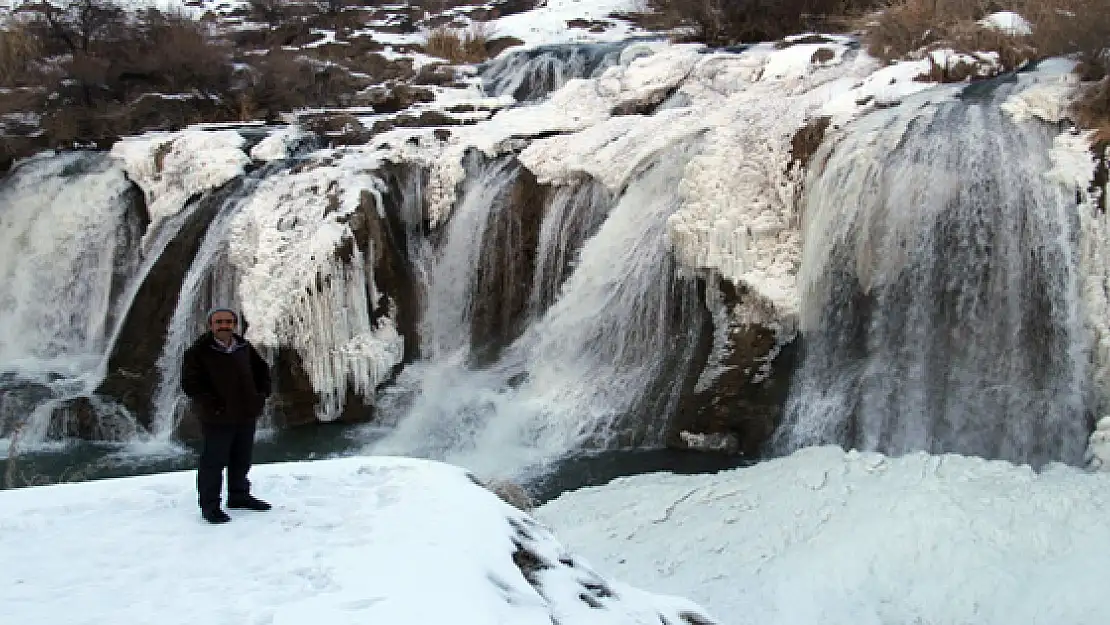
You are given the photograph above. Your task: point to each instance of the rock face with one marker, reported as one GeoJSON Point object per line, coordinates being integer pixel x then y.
{"type": "Point", "coordinates": [507, 265]}
{"type": "Point", "coordinates": [738, 411]}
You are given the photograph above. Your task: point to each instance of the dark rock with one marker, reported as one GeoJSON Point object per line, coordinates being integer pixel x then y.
{"type": "Point", "coordinates": [293, 401]}
{"type": "Point", "coordinates": [646, 105]}
{"type": "Point", "coordinates": [396, 98]}
{"type": "Point", "coordinates": [438, 74]}
{"type": "Point", "coordinates": [337, 128]}
{"type": "Point", "coordinates": [507, 262]}
{"type": "Point", "coordinates": [498, 45]}
{"type": "Point", "coordinates": [390, 238]}
{"type": "Point", "coordinates": [807, 140]}
{"type": "Point", "coordinates": [741, 408]}
{"type": "Point", "coordinates": [91, 418]}
{"type": "Point", "coordinates": [423, 120]}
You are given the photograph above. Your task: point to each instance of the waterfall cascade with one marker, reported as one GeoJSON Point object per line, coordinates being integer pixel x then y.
{"type": "Point", "coordinates": [940, 287]}
{"type": "Point", "coordinates": [530, 75]}
{"type": "Point", "coordinates": [69, 227]}
{"type": "Point", "coordinates": [534, 272]}
{"type": "Point", "coordinates": [587, 368]}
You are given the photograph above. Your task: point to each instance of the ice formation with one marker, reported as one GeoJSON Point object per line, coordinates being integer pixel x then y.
{"type": "Point", "coordinates": [299, 290]}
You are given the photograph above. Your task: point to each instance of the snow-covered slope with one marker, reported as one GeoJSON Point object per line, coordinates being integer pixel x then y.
{"type": "Point", "coordinates": [834, 538]}
{"type": "Point", "coordinates": [359, 540]}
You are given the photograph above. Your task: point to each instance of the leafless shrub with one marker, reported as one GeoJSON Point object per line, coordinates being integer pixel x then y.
{"type": "Point", "coordinates": [727, 22]}
{"type": "Point", "coordinates": [459, 46]}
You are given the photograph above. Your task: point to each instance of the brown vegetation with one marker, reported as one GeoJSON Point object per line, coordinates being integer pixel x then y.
{"type": "Point", "coordinates": [18, 49]}
{"type": "Point", "coordinates": [459, 46]}
{"type": "Point", "coordinates": [728, 22]}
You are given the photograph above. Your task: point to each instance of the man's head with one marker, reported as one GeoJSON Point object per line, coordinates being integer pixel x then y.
{"type": "Point", "coordinates": [222, 322]}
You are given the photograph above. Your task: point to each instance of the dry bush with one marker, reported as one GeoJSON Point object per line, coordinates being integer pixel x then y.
{"type": "Point", "coordinates": [907, 26]}
{"type": "Point", "coordinates": [727, 22]}
{"type": "Point", "coordinates": [1059, 27]}
{"type": "Point", "coordinates": [18, 48]}
{"type": "Point", "coordinates": [1092, 109]}
{"type": "Point", "coordinates": [459, 46]}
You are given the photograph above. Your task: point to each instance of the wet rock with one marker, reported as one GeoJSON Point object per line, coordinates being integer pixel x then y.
{"type": "Point", "coordinates": [507, 264]}
{"type": "Point", "coordinates": [91, 418]}
{"type": "Point", "coordinates": [647, 105]}
{"type": "Point", "coordinates": [500, 44]}
{"type": "Point", "coordinates": [293, 401]}
{"type": "Point", "coordinates": [396, 98]}
{"type": "Point", "coordinates": [738, 411]}
{"type": "Point", "coordinates": [337, 129]}
{"type": "Point", "coordinates": [438, 74]}
{"type": "Point", "coordinates": [388, 239]}
{"type": "Point", "coordinates": [807, 140]}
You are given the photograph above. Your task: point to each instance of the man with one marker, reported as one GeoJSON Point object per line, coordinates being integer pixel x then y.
{"type": "Point", "coordinates": [229, 383]}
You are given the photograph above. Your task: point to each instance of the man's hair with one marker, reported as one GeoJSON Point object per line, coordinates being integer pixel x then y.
{"type": "Point", "coordinates": [219, 309]}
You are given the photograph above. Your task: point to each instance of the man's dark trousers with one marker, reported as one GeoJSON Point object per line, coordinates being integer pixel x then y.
{"type": "Point", "coordinates": [224, 446]}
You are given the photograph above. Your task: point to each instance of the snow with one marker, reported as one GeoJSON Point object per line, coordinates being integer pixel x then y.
{"type": "Point", "coordinates": [172, 167]}
{"type": "Point", "coordinates": [277, 145]}
{"type": "Point", "coordinates": [837, 538]}
{"type": "Point", "coordinates": [1007, 22]}
{"type": "Point", "coordinates": [822, 536]}
{"type": "Point", "coordinates": [356, 540]}
{"type": "Point", "coordinates": [547, 24]}
{"type": "Point", "coordinates": [1049, 99]}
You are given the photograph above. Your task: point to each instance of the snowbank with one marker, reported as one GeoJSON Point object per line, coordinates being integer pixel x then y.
{"type": "Point", "coordinates": [390, 541]}
{"type": "Point", "coordinates": [838, 538]}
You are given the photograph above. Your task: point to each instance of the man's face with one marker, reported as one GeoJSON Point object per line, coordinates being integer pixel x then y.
{"type": "Point", "coordinates": [222, 325]}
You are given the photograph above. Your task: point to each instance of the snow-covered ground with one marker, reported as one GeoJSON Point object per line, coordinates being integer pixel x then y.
{"type": "Point", "coordinates": [822, 537]}
{"type": "Point", "coordinates": [826, 537]}
{"type": "Point", "coordinates": [366, 541]}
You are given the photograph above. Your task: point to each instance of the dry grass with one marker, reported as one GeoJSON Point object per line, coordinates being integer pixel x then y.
{"type": "Point", "coordinates": [908, 27]}
{"type": "Point", "coordinates": [460, 46]}
{"type": "Point", "coordinates": [1092, 109]}
{"type": "Point", "coordinates": [728, 22]}
{"type": "Point", "coordinates": [18, 48]}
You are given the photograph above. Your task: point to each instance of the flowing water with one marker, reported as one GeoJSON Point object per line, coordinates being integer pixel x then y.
{"type": "Point", "coordinates": [940, 304]}
{"type": "Point", "coordinates": [594, 368]}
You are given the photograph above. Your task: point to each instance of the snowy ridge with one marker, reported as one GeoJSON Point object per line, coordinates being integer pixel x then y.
{"type": "Point", "coordinates": [167, 168]}
{"type": "Point", "coordinates": [825, 536]}
{"type": "Point", "coordinates": [284, 244]}
{"type": "Point", "coordinates": [351, 541]}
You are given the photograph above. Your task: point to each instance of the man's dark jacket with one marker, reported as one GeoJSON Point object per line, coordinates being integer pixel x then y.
{"type": "Point", "coordinates": [227, 387]}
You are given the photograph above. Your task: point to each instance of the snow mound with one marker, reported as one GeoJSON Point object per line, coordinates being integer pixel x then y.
{"type": "Point", "coordinates": [1007, 22]}
{"type": "Point", "coordinates": [837, 538]}
{"type": "Point", "coordinates": [357, 540]}
{"type": "Point", "coordinates": [172, 167]}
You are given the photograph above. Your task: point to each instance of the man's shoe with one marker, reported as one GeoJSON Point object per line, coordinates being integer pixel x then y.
{"type": "Point", "coordinates": [215, 516]}
{"type": "Point", "coordinates": [248, 502]}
